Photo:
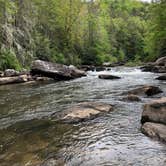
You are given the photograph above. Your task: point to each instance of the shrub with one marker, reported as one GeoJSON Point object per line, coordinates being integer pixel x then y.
{"type": "Point", "coordinates": [8, 60]}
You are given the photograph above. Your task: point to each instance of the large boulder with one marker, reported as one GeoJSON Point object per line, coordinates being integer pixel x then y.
{"type": "Point", "coordinates": [108, 76]}
{"type": "Point", "coordinates": [55, 71]}
{"type": "Point", "coordinates": [154, 130]}
{"type": "Point", "coordinates": [162, 77]}
{"type": "Point", "coordinates": [145, 91]}
{"type": "Point", "coordinates": [161, 61]}
{"type": "Point", "coordinates": [157, 67]}
{"type": "Point", "coordinates": [85, 111]}
{"type": "Point", "coordinates": [155, 111]}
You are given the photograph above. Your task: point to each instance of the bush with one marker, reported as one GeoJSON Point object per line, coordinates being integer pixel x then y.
{"type": "Point", "coordinates": [8, 60]}
{"type": "Point", "coordinates": [92, 56]}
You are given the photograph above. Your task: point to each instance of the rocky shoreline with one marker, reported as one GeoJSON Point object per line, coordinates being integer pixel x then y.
{"type": "Point", "coordinates": [41, 71]}
{"type": "Point", "coordinates": [154, 113]}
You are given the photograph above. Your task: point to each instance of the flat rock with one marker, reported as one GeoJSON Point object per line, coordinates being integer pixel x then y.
{"type": "Point", "coordinates": [85, 111]}
{"type": "Point", "coordinates": [146, 91]}
{"type": "Point", "coordinates": [56, 71]}
{"type": "Point", "coordinates": [155, 111]}
{"type": "Point", "coordinates": [162, 77]}
{"type": "Point", "coordinates": [132, 98]}
{"type": "Point", "coordinates": [154, 130]}
{"type": "Point", "coordinates": [108, 76]}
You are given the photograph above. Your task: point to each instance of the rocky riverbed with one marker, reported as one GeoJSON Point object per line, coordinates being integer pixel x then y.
{"type": "Point", "coordinates": [34, 131]}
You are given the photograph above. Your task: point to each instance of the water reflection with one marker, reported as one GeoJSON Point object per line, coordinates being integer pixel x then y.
{"type": "Point", "coordinates": [30, 135]}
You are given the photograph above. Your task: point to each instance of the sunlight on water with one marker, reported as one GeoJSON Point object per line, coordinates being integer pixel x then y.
{"type": "Point", "coordinates": [31, 136]}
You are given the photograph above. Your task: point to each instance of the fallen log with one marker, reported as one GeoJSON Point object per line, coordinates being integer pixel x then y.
{"type": "Point", "coordinates": [13, 80]}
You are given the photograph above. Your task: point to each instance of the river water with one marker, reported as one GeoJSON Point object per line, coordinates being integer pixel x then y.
{"type": "Point", "coordinates": [31, 136]}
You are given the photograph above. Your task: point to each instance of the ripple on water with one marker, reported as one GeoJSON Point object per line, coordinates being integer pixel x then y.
{"type": "Point", "coordinates": [32, 138]}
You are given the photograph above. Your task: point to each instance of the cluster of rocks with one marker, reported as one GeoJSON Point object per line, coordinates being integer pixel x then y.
{"type": "Point", "coordinates": [153, 116]}
{"type": "Point", "coordinates": [41, 71]}
{"type": "Point", "coordinates": [154, 113]}
{"type": "Point", "coordinates": [157, 67]}
{"type": "Point", "coordinates": [135, 95]}
{"type": "Point", "coordinates": [103, 67]}
{"type": "Point", "coordinates": [154, 119]}
{"type": "Point", "coordinates": [11, 76]}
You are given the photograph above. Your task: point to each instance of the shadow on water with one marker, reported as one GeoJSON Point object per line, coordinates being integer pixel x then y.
{"type": "Point", "coordinates": [32, 142]}
{"type": "Point", "coordinates": [30, 135]}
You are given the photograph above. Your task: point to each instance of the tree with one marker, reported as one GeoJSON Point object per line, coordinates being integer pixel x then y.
{"type": "Point", "coordinates": [156, 36]}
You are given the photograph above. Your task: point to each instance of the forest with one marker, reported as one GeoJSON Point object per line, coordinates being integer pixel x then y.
{"type": "Point", "coordinates": [81, 31]}
{"type": "Point", "coordinates": [82, 82]}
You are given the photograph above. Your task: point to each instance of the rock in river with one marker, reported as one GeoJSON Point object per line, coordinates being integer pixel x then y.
{"type": "Point", "coordinates": [85, 111]}
{"type": "Point", "coordinates": [146, 90]}
{"type": "Point", "coordinates": [157, 67]}
{"type": "Point", "coordinates": [108, 76]}
{"type": "Point", "coordinates": [155, 111]}
{"type": "Point", "coordinates": [154, 119]}
{"type": "Point", "coordinates": [154, 130]}
{"type": "Point", "coordinates": [55, 71]}
{"type": "Point", "coordinates": [132, 98]}
{"type": "Point", "coordinates": [162, 77]}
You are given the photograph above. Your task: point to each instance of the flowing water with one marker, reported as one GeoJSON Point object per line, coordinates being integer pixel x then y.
{"type": "Point", "coordinates": [30, 134]}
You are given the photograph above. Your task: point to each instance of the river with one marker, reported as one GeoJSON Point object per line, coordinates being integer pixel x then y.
{"type": "Point", "coordinates": [30, 134]}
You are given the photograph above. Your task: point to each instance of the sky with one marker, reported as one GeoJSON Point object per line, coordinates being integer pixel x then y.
{"type": "Point", "coordinates": [146, 0]}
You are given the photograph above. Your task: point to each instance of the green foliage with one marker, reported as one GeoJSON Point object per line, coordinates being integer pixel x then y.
{"type": "Point", "coordinates": [42, 47]}
{"type": "Point", "coordinates": [121, 55]}
{"type": "Point", "coordinates": [8, 60]}
{"type": "Point", "coordinates": [91, 56]}
{"type": "Point", "coordinates": [82, 32]}
{"type": "Point", "coordinates": [156, 37]}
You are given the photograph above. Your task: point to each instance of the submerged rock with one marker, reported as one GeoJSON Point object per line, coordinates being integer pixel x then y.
{"type": "Point", "coordinates": [146, 90]}
{"type": "Point", "coordinates": [85, 111]}
{"type": "Point", "coordinates": [100, 68]}
{"type": "Point", "coordinates": [154, 130]}
{"type": "Point", "coordinates": [108, 76]}
{"type": "Point", "coordinates": [55, 71]}
{"type": "Point", "coordinates": [132, 98]}
{"type": "Point", "coordinates": [155, 111]}
{"type": "Point", "coordinates": [162, 77]}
